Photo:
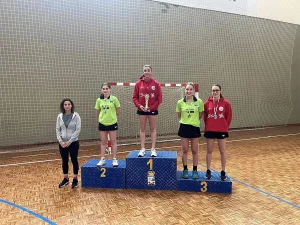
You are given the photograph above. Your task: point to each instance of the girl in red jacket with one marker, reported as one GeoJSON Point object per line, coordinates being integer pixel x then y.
{"type": "Point", "coordinates": [147, 97]}
{"type": "Point", "coordinates": [217, 119]}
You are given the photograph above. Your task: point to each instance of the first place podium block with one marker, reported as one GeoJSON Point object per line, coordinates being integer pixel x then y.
{"type": "Point", "coordinates": [214, 185]}
{"type": "Point", "coordinates": [154, 173]}
{"type": "Point", "coordinates": [105, 176]}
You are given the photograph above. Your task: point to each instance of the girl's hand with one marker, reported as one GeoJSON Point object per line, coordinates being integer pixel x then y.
{"type": "Point", "coordinates": [62, 144]}
{"type": "Point", "coordinates": [143, 108]}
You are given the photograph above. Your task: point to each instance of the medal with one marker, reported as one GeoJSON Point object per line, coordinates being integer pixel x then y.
{"type": "Point", "coordinates": [189, 113]}
{"type": "Point", "coordinates": [216, 110]}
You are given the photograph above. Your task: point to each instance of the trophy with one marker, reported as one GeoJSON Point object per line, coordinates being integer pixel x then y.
{"type": "Point", "coordinates": [146, 100]}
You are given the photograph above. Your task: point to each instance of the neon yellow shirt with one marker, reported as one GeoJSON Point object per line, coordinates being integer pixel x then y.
{"type": "Point", "coordinates": [107, 108]}
{"type": "Point", "coordinates": [190, 111]}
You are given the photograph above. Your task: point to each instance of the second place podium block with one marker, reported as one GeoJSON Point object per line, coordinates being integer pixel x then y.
{"type": "Point", "coordinates": [105, 176]}
{"type": "Point", "coordinates": [154, 173]}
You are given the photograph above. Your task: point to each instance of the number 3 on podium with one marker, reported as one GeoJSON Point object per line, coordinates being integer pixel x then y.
{"type": "Point", "coordinates": [203, 186]}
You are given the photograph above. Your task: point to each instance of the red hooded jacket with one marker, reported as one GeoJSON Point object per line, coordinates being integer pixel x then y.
{"type": "Point", "coordinates": [222, 110]}
{"type": "Point", "coordinates": [152, 87]}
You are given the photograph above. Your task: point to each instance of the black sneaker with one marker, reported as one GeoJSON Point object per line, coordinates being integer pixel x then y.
{"type": "Point", "coordinates": [208, 174]}
{"type": "Point", "coordinates": [64, 182]}
{"type": "Point", "coordinates": [75, 183]}
{"type": "Point", "coordinates": [223, 175]}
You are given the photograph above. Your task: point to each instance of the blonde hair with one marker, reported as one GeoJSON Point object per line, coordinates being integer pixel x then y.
{"type": "Point", "coordinates": [190, 83]}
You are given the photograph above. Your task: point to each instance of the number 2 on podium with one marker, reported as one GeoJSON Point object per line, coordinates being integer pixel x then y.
{"type": "Point", "coordinates": [103, 171]}
{"type": "Point", "coordinates": [150, 163]}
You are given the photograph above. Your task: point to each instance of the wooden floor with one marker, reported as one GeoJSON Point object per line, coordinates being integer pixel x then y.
{"type": "Point", "coordinates": [263, 163]}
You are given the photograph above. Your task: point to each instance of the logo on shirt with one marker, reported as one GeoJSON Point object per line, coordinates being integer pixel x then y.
{"type": "Point", "coordinates": [220, 116]}
{"type": "Point", "coordinates": [153, 87]}
{"type": "Point", "coordinates": [221, 108]}
{"type": "Point", "coordinates": [190, 111]}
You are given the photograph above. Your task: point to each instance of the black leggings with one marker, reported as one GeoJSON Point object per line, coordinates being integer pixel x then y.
{"type": "Point", "coordinates": [64, 152]}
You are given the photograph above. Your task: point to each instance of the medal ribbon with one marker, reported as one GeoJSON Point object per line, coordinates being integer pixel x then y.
{"type": "Point", "coordinates": [216, 108]}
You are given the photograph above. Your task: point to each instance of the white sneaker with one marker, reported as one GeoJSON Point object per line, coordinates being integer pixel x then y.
{"type": "Point", "coordinates": [153, 152]}
{"type": "Point", "coordinates": [142, 152]}
{"type": "Point", "coordinates": [101, 162]}
{"type": "Point", "coordinates": [115, 162]}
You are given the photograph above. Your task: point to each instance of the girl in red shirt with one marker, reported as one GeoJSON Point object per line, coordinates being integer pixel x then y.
{"type": "Point", "coordinates": [147, 97]}
{"type": "Point", "coordinates": [217, 119]}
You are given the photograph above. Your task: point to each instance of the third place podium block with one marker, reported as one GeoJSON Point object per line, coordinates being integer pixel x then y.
{"type": "Point", "coordinates": [154, 173]}
{"type": "Point", "coordinates": [202, 184]}
{"type": "Point", "coordinates": [105, 176]}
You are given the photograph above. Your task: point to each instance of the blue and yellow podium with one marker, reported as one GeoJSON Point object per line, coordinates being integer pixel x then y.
{"type": "Point", "coordinates": [106, 176]}
{"type": "Point", "coordinates": [152, 173]}
{"type": "Point", "coordinates": [156, 173]}
{"type": "Point", "coordinates": [202, 184]}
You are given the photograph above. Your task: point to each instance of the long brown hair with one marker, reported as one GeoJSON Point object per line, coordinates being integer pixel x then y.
{"type": "Point", "coordinates": [104, 84]}
{"type": "Point", "coordinates": [62, 109]}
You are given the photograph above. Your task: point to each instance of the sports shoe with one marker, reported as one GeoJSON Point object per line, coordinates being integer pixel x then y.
{"type": "Point", "coordinates": [223, 175]}
{"type": "Point", "coordinates": [208, 174]}
{"type": "Point", "coordinates": [153, 152]}
{"type": "Point", "coordinates": [142, 152]}
{"type": "Point", "coordinates": [101, 162]}
{"type": "Point", "coordinates": [75, 183]}
{"type": "Point", "coordinates": [185, 174]}
{"type": "Point", "coordinates": [115, 162]}
{"type": "Point", "coordinates": [64, 182]}
{"type": "Point", "coordinates": [195, 174]}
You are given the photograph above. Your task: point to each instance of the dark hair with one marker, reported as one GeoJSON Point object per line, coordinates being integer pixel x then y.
{"type": "Point", "coordinates": [62, 109]}
{"type": "Point", "coordinates": [219, 86]}
{"type": "Point", "coordinates": [148, 66]}
{"type": "Point", "coordinates": [104, 84]}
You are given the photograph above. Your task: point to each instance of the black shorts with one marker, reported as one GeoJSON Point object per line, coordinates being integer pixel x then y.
{"type": "Point", "coordinates": [108, 128]}
{"type": "Point", "coordinates": [151, 113]}
{"type": "Point", "coordinates": [189, 131]}
{"type": "Point", "coordinates": [218, 135]}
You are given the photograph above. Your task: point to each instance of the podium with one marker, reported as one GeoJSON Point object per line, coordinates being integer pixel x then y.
{"type": "Point", "coordinates": [215, 184]}
{"type": "Point", "coordinates": [105, 176]}
{"type": "Point", "coordinates": [154, 173]}
{"type": "Point", "coordinates": [151, 173]}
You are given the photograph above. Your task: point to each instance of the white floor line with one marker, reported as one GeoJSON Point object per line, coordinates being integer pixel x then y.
{"type": "Point", "coordinates": [53, 146]}
{"type": "Point", "coordinates": [52, 160]}
{"type": "Point", "coordinates": [35, 155]}
{"type": "Point", "coordinates": [92, 143]}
